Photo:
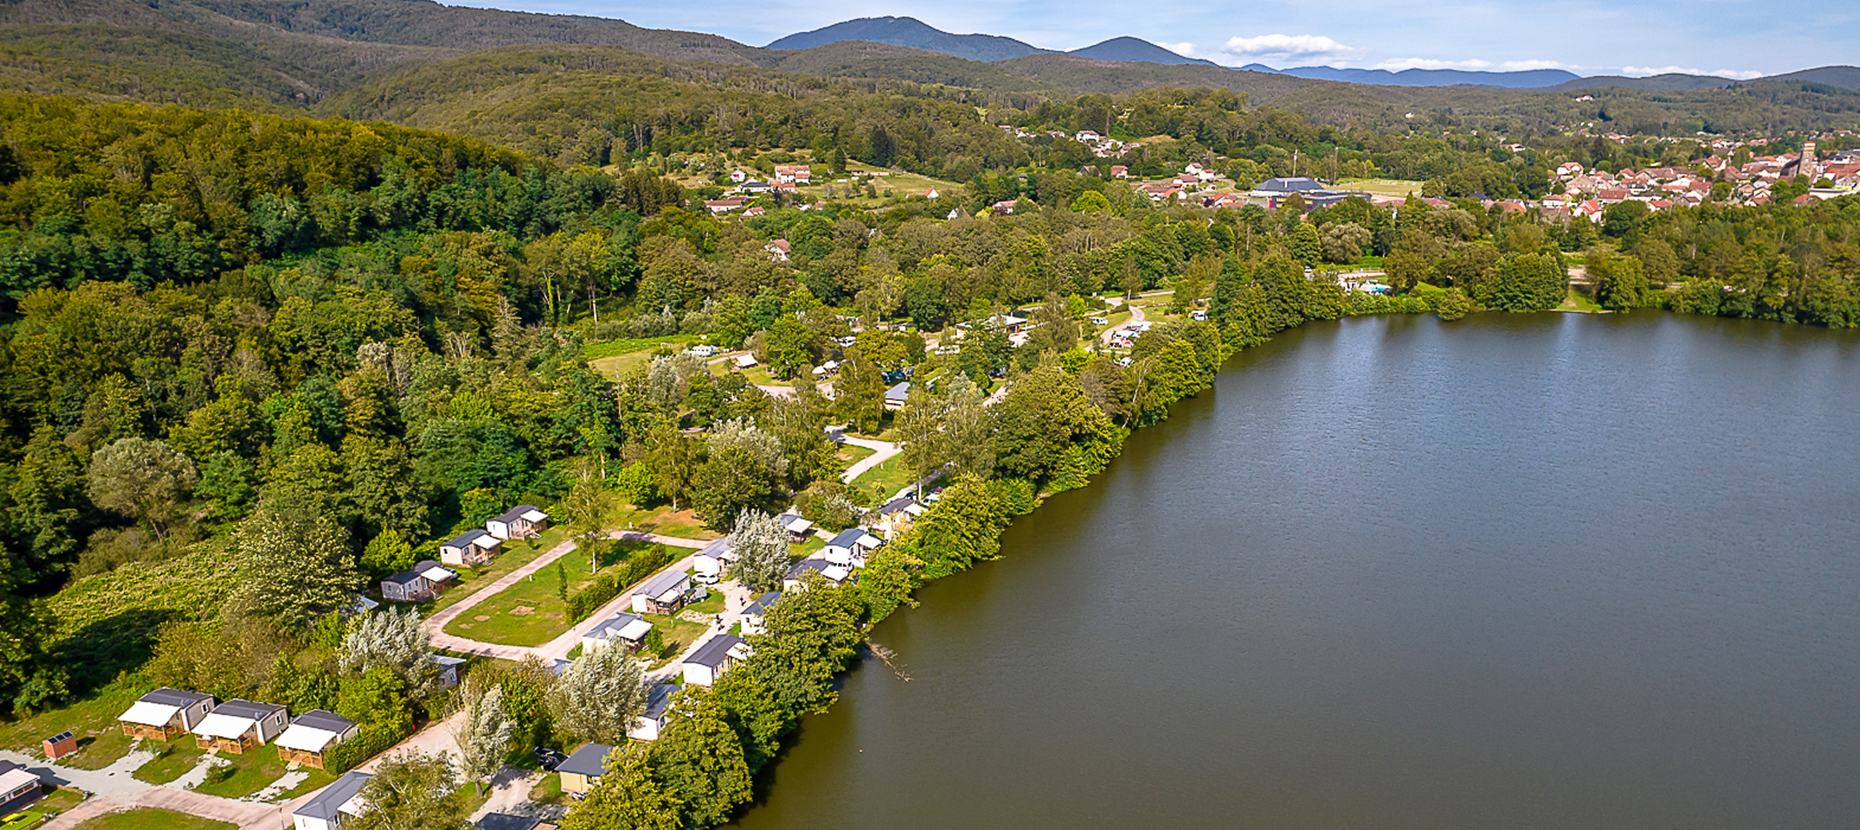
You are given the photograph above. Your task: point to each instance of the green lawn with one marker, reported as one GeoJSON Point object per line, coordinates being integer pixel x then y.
{"type": "Point", "coordinates": [853, 454]}
{"type": "Point", "coordinates": [662, 520]}
{"type": "Point", "coordinates": [93, 720]}
{"type": "Point", "coordinates": [1382, 187]}
{"type": "Point", "coordinates": [172, 760]}
{"type": "Point", "coordinates": [801, 551]}
{"type": "Point", "coordinates": [256, 770]}
{"type": "Point", "coordinates": [56, 801]}
{"type": "Point", "coordinates": [1577, 301]}
{"type": "Point", "coordinates": [530, 612]}
{"type": "Point", "coordinates": [516, 555]}
{"type": "Point", "coordinates": [548, 790]}
{"type": "Point", "coordinates": [149, 818]}
{"type": "Point", "coordinates": [884, 480]}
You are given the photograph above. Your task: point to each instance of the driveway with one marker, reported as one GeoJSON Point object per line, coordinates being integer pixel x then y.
{"type": "Point", "coordinates": [882, 451]}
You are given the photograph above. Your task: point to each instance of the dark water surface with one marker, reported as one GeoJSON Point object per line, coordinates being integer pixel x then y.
{"type": "Point", "coordinates": [1510, 572]}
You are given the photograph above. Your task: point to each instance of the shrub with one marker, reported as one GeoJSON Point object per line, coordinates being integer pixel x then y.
{"type": "Point", "coordinates": [607, 586]}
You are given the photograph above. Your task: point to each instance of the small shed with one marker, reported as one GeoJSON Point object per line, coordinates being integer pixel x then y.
{"type": "Point", "coordinates": [164, 713]}
{"type": "Point", "coordinates": [309, 739]}
{"type": "Point", "coordinates": [715, 657]}
{"type": "Point", "coordinates": [238, 725]}
{"type": "Point", "coordinates": [60, 745]}
{"type": "Point", "coordinates": [336, 803]}
{"type": "Point", "coordinates": [583, 770]}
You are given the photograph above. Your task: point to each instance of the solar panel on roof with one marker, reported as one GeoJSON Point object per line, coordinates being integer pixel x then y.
{"type": "Point", "coordinates": [60, 737]}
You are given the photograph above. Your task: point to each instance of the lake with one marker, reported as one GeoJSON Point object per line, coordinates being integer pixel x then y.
{"type": "Point", "coordinates": [1518, 571]}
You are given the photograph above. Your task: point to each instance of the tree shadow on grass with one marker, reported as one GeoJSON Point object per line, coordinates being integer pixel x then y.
{"type": "Point", "coordinates": [98, 652]}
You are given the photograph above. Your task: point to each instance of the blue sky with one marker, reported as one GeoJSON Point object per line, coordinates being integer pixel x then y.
{"type": "Point", "coordinates": [1735, 38]}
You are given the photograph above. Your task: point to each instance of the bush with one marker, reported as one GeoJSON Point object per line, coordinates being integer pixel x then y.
{"type": "Point", "coordinates": [218, 773]}
{"type": "Point", "coordinates": [371, 741]}
{"type": "Point", "coordinates": [607, 586]}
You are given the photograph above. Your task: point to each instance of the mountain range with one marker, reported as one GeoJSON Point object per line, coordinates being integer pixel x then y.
{"type": "Point", "coordinates": [916, 34]}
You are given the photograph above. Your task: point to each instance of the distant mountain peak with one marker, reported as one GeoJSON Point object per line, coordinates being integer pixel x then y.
{"type": "Point", "coordinates": [1134, 49]}
{"type": "Point", "coordinates": [909, 31]}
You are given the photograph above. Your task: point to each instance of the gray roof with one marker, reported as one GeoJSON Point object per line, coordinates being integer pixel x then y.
{"type": "Point", "coordinates": [402, 578]}
{"type": "Point", "coordinates": [506, 821]}
{"type": "Point", "coordinates": [324, 720]}
{"type": "Point", "coordinates": [720, 549]}
{"type": "Point", "coordinates": [8, 766]}
{"type": "Point", "coordinates": [516, 513]}
{"type": "Point", "coordinates": [801, 568]}
{"type": "Point", "coordinates": [712, 653]}
{"type": "Point", "coordinates": [762, 604]}
{"type": "Point", "coordinates": [248, 709]}
{"type": "Point", "coordinates": [590, 760]}
{"type": "Point", "coordinates": [900, 392]}
{"type": "Point", "coordinates": [665, 581]}
{"type": "Point", "coordinates": [465, 539]}
{"type": "Point", "coordinates": [848, 537]}
{"type": "Point", "coordinates": [1288, 184]}
{"type": "Point", "coordinates": [175, 697]}
{"type": "Point", "coordinates": [660, 699]}
{"type": "Point", "coordinates": [895, 505]}
{"type": "Point", "coordinates": [786, 519]}
{"type": "Point", "coordinates": [611, 626]}
{"type": "Point", "coordinates": [331, 799]}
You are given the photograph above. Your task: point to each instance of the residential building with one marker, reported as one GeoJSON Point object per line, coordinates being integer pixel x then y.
{"type": "Point", "coordinates": [794, 173]}
{"type": "Point", "coordinates": [796, 578]}
{"type": "Point", "coordinates": [897, 395]}
{"type": "Point", "coordinates": [658, 708]}
{"type": "Point", "coordinates": [524, 521]}
{"type": "Point", "coordinates": [715, 557]}
{"type": "Point", "coordinates": [312, 735]}
{"type": "Point", "coordinates": [722, 206]}
{"type": "Point", "coordinates": [583, 770]}
{"type": "Point", "coordinates": [850, 548]}
{"type": "Point", "coordinates": [19, 788]}
{"type": "Point", "coordinates": [425, 581]}
{"type": "Point", "coordinates": [473, 547]}
{"type": "Point", "coordinates": [755, 616]}
{"type": "Point", "coordinates": [164, 713]}
{"type": "Point", "coordinates": [798, 528]}
{"type": "Point", "coordinates": [663, 594]}
{"type": "Point", "coordinates": [336, 804]}
{"type": "Point", "coordinates": [238, 725]}
{"type": "Point", "coordinates": [626, 630]}
{"type": "Point", "coordinates": [715, 657]}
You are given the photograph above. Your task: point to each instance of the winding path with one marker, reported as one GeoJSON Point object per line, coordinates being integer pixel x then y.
{"type": "Point", "coordinates": [882, 451]}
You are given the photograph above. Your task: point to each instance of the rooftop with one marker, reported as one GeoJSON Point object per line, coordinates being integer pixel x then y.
{"type": "Point", "coordinates": [715, 651]}
{"type": "Point", "coordinates": [331, 799]}
{"type": "Point", "coordinates": [589, 760]}
{"type": "Point", "coordinates": [174, 697]}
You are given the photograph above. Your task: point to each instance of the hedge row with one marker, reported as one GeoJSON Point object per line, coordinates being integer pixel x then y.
{"type": "Point", "coordinates": [607, 586]}
{"type": "Point", "coordinates": [371, 741]}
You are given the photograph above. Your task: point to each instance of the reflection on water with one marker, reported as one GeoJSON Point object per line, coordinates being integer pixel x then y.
{"type": "Point", "coordinates": [1513, 571]}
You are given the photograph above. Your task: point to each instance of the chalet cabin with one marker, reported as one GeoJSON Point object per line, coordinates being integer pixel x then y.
{"type": "Point", "coordinates": [664, 594]}
{"type": "Point", "coordinates": [715, 558]}
{"type": "Point", "coordinates": [522, 522]}
{"type": "Point", "coordinates": [897, 395]}
{"type": "Point", "coordinates": [623, 629]}
{"type": "Point", "coordinates": [743, 361]}
{"type": "Point", "coordinates": [448, 670]}
{"type": "Point", "coordinates": [798, 528]}
{"type": "Point", "coordinates": [850, 548]}
{"type": "Point", "coordinates": [898, 512]}
{"type": "Point", "coordinates": [19, 788]}
{"type": "Point", "coordinates": [796, 579]}
{"type": "Point", "coordinates": [583, 770]}
{"type": "Point", "coordinates": [473, 547]}
{"type": "Point", "coordinates": [337, 803]}
{"type": "Point", "coordinates": [312, 735]}
{"type": "Point", "coordinates": [238, 725]}
{"type": "Point", "coordinates": [755, 616]}
{"type": "Point", "coordinates": [658, 707]}
{"type": "Point", "coordinates": [164, 713]}
{"type": "Point", "coordinates": [713, 658]}
{"type": "Point", "coordinates": [427, 579]}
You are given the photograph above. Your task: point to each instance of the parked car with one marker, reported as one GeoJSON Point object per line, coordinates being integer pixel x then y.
{"type": "Point", "coordinates": [702, 578]}
{"type": "Point", "coordinates": [549, 759]}
{"type": "Point", "coordinates": [1100, 321]}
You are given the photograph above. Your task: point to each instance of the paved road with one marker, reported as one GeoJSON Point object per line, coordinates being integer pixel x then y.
{"type": "Point", "coordinates": [882, 451]}
{"type": "Point", "coordinates": [1136, 316]}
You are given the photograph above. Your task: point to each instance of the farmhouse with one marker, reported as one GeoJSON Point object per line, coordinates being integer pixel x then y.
{"type": "Point", "coordinates": [713, 658]}
{"type": "Point", "coordinates": [238, 725]}
{"type": "Point", "coordinates": [473, 547]}
{"type": "Point", "coordinates": [164, 713]}
{"type": "Point", "coordinates": [337, 803]}
{"type": "Point", "coordinates": [309, 739]}
{"type": "Point", "coordinates": [522, 522]}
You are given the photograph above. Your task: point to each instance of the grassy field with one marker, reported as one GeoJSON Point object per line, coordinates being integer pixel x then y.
{"type": "Point", "coordinates": [149, 818]}
{"type": "Point", "coordinates": [615, 358]}
{"type": "Point", "coordinates": [805, 549]}
{"type": "Point", "coordinates": [256, 770]}
{"type": "Point", "coordinates": [1381, 187]}
{"type": "Point", "coordinates": [516, 555]}
{"type": "Point", "coordinates": [56, 800]}
{"type": "Point", "coordinates": [172, 760]}
{"type": "Point", "coordinates": [548, 790]}
{"type": "Point", "coordinates": [1579, 302]}
{"type": "Point", "coordinates": [884, 480]}
{"type": "Point", "coordinates": [852, 454]}
{"type": "Point", "coordinates": [662, 520]}
{"type": "Point", "coordinates": [93, 720]}
{"type": "Point", "coordinates": [531, 612]}
{"type": "Point", "coordinates": [680, 633]}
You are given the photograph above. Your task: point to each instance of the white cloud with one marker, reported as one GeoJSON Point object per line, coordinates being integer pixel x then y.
{"type": "Point", "coordinates": [1186, 50]}
{"type": "Point", "coordinates": [1644, 71]}
{"type": "Point", "coordinates": [1284, 50]}
{"type": "Point", "coordinates": [1524, 66]}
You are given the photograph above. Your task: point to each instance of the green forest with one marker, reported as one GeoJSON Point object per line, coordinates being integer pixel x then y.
{"type": "Point", "coordinates": [267, 331]}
